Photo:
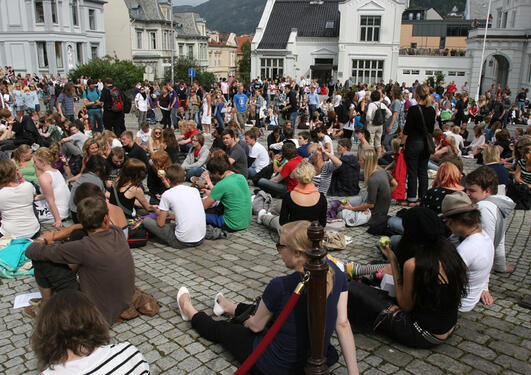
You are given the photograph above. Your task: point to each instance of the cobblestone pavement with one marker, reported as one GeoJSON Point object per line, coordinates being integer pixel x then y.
{"type": "Point", "coordinates": [488, 340]}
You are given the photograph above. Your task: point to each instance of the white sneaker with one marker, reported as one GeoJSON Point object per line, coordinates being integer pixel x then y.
{"type": "Point", "coordinates": [218, 310]}
{"type": "Point", "coordinates": [469, 156]}
{"type": "Point", "coordinates": [261, 213]}
{"type": "Point", "coordinates": [182, 290]}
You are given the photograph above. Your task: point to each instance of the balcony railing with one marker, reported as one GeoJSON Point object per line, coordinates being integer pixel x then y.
{"type": "Point", "coordinates": [432, 52]}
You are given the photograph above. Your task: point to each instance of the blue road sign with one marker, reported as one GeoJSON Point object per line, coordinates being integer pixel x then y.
{"type": "Point", "coordinates": [191, 72]}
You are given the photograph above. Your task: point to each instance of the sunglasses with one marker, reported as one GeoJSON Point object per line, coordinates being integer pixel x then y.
{"type": "Point", "coordinates": [157, 133]}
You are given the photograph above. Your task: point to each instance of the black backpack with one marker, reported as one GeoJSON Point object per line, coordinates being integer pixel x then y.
{"type": "Point", "coordinates": [379, 116]}
{"type": "Point", "coordinates": [342, 113]}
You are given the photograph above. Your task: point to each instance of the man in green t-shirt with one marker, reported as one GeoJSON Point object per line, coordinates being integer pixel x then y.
{"type": "Point", "coordinates": [234, 211]}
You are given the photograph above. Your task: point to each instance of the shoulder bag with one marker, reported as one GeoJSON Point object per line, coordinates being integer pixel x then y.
{"type": "Point", "coordinates": [430, 146]}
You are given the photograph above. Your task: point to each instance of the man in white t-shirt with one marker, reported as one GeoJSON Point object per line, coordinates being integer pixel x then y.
{"type": "Point", "coordinates": [482, 188]}
{"type": "Point", "coordinates": [476, 249]}
{"type": "Point", "coordinates": [258, 156]}
{"type": "Point", "coordinates": [183, 204]}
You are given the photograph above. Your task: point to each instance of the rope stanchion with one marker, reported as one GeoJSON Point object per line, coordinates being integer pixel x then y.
{"type": "Point", "coordinates": [270, 335]}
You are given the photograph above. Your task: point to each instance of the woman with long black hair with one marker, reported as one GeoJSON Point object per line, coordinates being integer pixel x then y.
{"type": "Point", "coordinates": [430, 279]}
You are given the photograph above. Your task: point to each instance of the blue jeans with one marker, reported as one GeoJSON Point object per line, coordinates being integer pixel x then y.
{"type": "Point", "coordinates": [273, 188]}
{"type": "Point", "coordinates": [312, 108]}
{"type": "Point", "coordinates": [221, 122]}
{"type": "Point", "coordinates": [395, 224]}
{"type": "Point", "coordinates": [194, 172]}
{"type": "Point", "coordinates": [174, 121]}
{"type": "Point", "coordinates": [251, 171]}
{"type": "Point", "coordinates": [293, 117]}
{"type": "Point", "coordinates": [215, 220]}
{"type": "Point", "coordinates": [96, 120]}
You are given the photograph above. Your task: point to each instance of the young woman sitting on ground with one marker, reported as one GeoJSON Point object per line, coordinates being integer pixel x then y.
{"type": "Point", "coordinates": [379, 183]}
{"type": "Point", "coordinates": [126, 190]}
{"type": "Point", "coordinates": [156, 175]}
{"type": "Point", "coordinates": [72, 337]}
{"type": "Point", "coordinates": [303, 203]}
{"type": "Point", "coordinates": [16, 203]}
{"type": "Point", "coordinates": [287, 353]}
{"type": "Point", "coordinates": [52, 204]}
{"type": "Point", "coordinates": [430, 278]}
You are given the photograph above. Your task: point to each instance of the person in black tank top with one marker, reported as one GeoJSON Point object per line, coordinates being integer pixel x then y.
{"type": "Point", "coordinates": [430, 279]}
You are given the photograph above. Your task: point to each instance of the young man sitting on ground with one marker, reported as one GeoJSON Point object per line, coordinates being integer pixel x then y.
{"type": "Point", "coordinates": [183, 204]}
{"type": "Point", "coordinates": [234, 211]}
{"type": "Point", "coordinates": [101, 259]}
{"type": "Point", "coordinates": [185, 140]}
{"type": "Point", "coordinates": [132, 149]}
{"type": "Point", "coordinates": [482, 188]}
{"type": "Point", "coordinates": [345, 179]}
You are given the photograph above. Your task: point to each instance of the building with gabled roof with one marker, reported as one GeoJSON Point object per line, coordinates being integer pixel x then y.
{"type": "Point", "coordinates": [140, 30]}
{"type": "Point", "coordinates": [222, 52]}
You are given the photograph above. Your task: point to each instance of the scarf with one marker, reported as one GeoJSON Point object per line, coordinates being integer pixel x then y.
{"type": "Point", "coordinates": [305, 188]}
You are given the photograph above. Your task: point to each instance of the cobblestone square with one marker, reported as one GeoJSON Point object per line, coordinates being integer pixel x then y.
{"type": "Point", "coordinates": [488, 340]}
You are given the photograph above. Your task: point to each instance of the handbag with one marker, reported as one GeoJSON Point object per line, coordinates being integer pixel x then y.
{"type": "Point", "coordinates": [430, 146]}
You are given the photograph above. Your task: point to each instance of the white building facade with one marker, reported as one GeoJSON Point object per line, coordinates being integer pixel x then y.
{"type": "Point", "coordinates": [507, 57]}
{"type": "Point", "coordinates": [50, 36]}
{"type": "Point", "coordinates": [140, 30]}
{"type": "Point", "coordinates": [361, 39]}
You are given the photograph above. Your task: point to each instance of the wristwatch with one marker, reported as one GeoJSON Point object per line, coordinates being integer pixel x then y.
{"type": "Point", "coordinates": [43, 239]}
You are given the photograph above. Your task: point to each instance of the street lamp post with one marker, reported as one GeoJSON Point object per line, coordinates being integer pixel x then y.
{"type": "Point", "coordinates": [483, 51]}
{"type": "Point", "coordinates": [172, 41]}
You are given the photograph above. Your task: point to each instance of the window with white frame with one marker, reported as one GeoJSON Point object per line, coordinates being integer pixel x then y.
{"type": "Point", "coordinates": [75, 14]}
{"type": "Point", "coordinates": [181, 50]}
{"type": "Point", "coordinates": [59, 54]}
{"type": "Point", "coordinates": [165, 40]}
{"type": "Point", "coordinates": [370, 28]}
{"type": "Point", "coordinates": [406, 71]}
{"type": "Point", "coordinates": [367, 71]}
{"type": "Point", "coordinates": [416, 72]}
{"type": "Point", "coordinates": [53, 5]}
{"type": "Point", "coordinates": [271, 68]}
{"type": "Point", "coordinates": [39, 11]}
{"type": "Point", "coordinates": [437, 72]}
{"type": "Point", "coordinates": [92, 19]}
{"type": "Point", "coordinates": [429, 72]}
{"type": "Point", "coordinates": [452, 73]}
{"type": "Point", "coordinates": [153, 39]}
{"type": "Point", "coordinates": [79, 53]}
{"type": "Point", "coordinates": [42, 55]}
{"type": "Point", "coordinates": [139, 39]}
{"type": "Point", "coordinates": [191, 50]}
{"type": "Point", "coordinates": [94, 50]}
{"type": "Point", "coordinates": [460, 74]}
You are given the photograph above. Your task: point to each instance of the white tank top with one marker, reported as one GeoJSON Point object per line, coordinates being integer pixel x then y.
{"type": "Point", "coordinates": [61, 193]}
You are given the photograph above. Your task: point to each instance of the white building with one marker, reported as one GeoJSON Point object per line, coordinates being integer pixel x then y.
{"type": "Point", "coordinates": [507, 58]}
{"type": "Point", "coordinates": [332, 39]}
{"type": "Point", "coordinates": [50, 36]}
{"type": "Point", "coordinates": [328, 39]}
{"type": "Point", "coordinates": [140, 30]}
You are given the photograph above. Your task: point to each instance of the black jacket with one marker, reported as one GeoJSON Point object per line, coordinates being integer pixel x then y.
{"type": "Point", "coordinates": [345, 179]}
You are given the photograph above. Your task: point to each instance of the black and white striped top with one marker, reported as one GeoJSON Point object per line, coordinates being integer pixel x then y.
{"type": "Point", "coordinates": [115, 359]}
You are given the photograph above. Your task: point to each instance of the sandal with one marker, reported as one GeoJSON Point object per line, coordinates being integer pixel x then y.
{"type": "Point", "coordinates": [414, 204]}
{"type": "Point", "coordinates": [403, 203]}
{"type": "Point", "coordinates": [35, 302]}
{"type": "Point", "coordinates": [30, 311]}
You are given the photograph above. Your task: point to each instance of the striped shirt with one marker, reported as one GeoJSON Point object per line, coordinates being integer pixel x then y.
{"type": "Point", "coordinates": [525, 175]}
{"type": "Point", "coordinates": [116, 359]}
{"type": "Point", "coordinates": [322, 180]}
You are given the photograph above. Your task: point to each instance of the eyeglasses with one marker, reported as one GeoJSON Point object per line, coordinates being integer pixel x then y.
{"type": "Point", "coordinates": [280, 246]}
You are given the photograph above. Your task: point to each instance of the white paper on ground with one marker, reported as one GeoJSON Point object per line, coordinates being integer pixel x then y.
{"type": "Point", "coordinates": [22, 300]}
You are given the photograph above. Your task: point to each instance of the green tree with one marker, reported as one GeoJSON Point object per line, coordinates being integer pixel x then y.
{"type": "Point", "coordinates": [244, 66]}
{"type": "Point", "coordinates": [206, 79]}
{"type": "Point", "coordinates": [180, 69]}
{"type": "Point", "coordinates": [124, 73]}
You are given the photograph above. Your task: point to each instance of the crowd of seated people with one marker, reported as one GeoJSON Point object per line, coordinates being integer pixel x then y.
{"type": "Point", "coordinates": [182, 186]}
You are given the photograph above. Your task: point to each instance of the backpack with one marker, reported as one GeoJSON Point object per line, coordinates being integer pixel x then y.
{"type": "Point", "coordinates": [117, 100]}
{"type": "Point", "coordinates": [379, 117]}
{"type": "Point", "coordinates": [127, 104]}
{"type": "Point", "coordinates": [342, 113]}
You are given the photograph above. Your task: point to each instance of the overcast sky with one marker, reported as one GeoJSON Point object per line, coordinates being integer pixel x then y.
{"type": "Point", "coordinates": [188, 2]}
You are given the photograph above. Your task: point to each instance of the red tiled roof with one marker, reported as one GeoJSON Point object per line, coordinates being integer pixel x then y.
{"type": "Point", "coordinates": [242, 39]}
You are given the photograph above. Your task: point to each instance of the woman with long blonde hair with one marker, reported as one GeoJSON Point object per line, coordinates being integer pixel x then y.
{"type": "Point", "coordinates": [376, 202]}
{"type": "Point", "coordinates": [156, 142]}
{"type": "Point", "coordinates": [52, 204]}
{"type": "Point", "coordinates": [288, 351]}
